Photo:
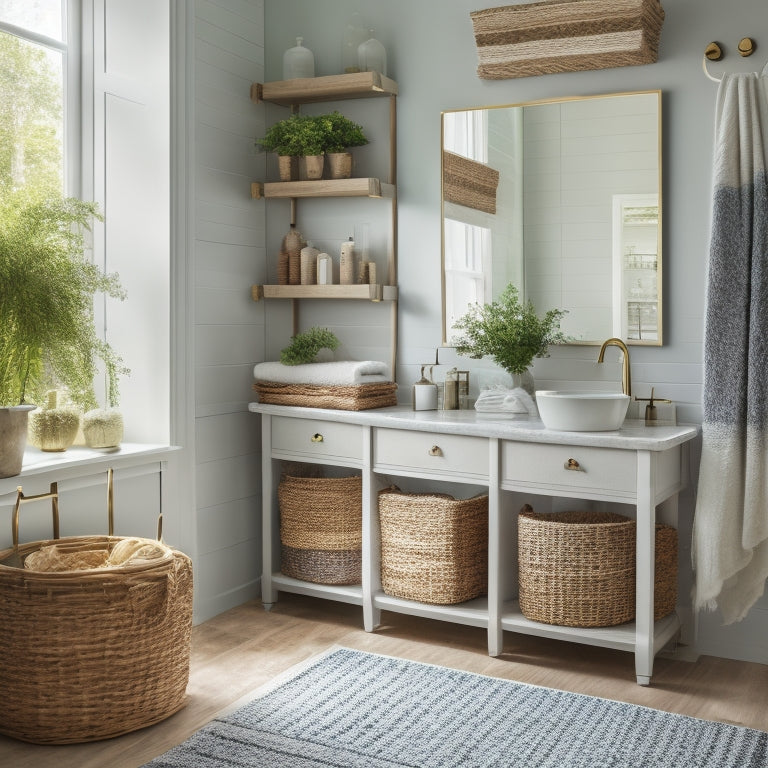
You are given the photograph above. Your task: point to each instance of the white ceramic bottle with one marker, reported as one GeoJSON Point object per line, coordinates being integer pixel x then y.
{"type": "Point", "coordinates": [298, 61]}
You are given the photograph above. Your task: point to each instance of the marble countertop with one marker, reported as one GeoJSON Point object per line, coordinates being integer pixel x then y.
{"type": "Point", "coordinates": [633, 435]}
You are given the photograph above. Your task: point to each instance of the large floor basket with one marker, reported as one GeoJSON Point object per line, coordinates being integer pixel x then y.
{"type": "Point", "coordinates": [92, 653]}
{"type": "Point", "coordinates": [434, 548]}
{"type": "Point", "coordinates": [321, 528]}
{"type": "Point", "coordinates": [577, 569]}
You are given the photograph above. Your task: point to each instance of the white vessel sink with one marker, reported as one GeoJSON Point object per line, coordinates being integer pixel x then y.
{"type": "Point", "coordinates": [573, 411]}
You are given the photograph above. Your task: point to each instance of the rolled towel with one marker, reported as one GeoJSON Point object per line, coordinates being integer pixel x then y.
{"type": "Point", "coordinates": [339, 373]}
{"type": "Point", "coordinates": [499, 399]}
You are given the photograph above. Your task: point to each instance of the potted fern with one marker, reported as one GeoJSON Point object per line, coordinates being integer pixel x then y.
{"type": "Point", "coordinates": [47, 335]}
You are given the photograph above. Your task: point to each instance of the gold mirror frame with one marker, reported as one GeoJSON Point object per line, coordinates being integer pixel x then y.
{"type": "Point", "coordinates": [480, 189]}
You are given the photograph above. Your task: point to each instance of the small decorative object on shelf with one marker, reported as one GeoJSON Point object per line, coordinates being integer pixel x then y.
{"type": "Point", "coordinates": [309, 256]}
{"type": "Point", "coordinates": [354, 34]}
{"type": "Point", "coordinates": [103, 428]}
{"type": "Point", "coordinates": [347, 263]}
{"type": "Point", "coordinates": [372, 56]}
{"type": "Point", "coordinates": [324, 269]}
{"type": "Point", "coordinates": [298, 62]}
{"type": "Point", "coordinates": [425, 392]}
{"type": "Point", "coordinates": [54, 426]}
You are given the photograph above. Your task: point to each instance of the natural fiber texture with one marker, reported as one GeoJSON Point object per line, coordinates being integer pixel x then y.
{"type": "Point", "coordinates": [469, 183]}
{"type": "Point", "coordinates": [322, 566]}
{"type": "Point", "coordinates": [321, 528]}
{"type": "Point", "coordinates": [434, 548]}
{"type": "Point", "coordinates": [350, 708]}
{"type": "Point", "coordinates": [359, 397]}
{"type": "Point", "coordinates": [577, 569]}
{"type": "Point", "coordinates": [566, 35]}
{"type": "Point", "coordinates": [91, 654]}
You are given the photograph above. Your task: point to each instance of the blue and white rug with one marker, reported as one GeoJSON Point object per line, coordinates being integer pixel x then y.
{"type": "Point", "coordinates": [353, 709]}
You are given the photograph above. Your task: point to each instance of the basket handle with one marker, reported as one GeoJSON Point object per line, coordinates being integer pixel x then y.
{"type": "Point", "coordinates": [53, 495]}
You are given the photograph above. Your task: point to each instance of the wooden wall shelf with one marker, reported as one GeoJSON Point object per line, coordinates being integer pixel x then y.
{"type": "Point", "coordinates": [323, 188]}
{"type": "Point", "coordinates": [365, 291]}
{"type": "Point", "coordinates": [306, 90]}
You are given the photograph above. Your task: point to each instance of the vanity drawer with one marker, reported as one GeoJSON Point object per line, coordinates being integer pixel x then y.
{"type": "Point", "coordinates": [564, 468]}
{"type": "Point", "coordinates": [309, 438]}
{"type": "Point", "coordinates": [455, 457]}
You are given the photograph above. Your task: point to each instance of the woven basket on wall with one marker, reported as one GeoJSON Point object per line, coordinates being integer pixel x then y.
{"type": "Point", "coordinates": [577, 569]}
{"type": "Point", "coordinates": [321, 528]}
{"type": "Point", "coordinates": [92, 654]}
{"type": "Point", "coordinates": [434, 548]}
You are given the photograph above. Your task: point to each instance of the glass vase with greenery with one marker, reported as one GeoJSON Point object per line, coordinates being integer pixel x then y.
{"type": "Point", "coordinates": [509, 331]}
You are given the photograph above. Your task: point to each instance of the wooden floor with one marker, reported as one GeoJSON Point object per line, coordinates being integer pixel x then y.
{"type": "Point", "coordinates": [244, 648]}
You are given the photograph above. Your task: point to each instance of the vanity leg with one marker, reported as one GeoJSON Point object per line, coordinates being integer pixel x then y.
{"type": "Point", "coordinates": [495, 556]}
{"type": "Point", "coordinates": [645, 566]}
{"type": "Point", "coordinates": [371, 577]}
{"type": "Point", "coordinates": [270, 530]}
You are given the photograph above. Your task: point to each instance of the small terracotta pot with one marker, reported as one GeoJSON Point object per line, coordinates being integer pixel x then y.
{"type": "Point", "coordinates": [339, 165]}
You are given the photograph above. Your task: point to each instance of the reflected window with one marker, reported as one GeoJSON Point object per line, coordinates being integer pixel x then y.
{"type": "Point", "coordinates": [467, 268]}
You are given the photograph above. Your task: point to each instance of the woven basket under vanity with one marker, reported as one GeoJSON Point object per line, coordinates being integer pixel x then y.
{"type": "Point", "coordinates": [321, 529]}
{"type": "Point", "coordinates": [577, 569]}
{"type": "Point", "coordinates": [434, 548]}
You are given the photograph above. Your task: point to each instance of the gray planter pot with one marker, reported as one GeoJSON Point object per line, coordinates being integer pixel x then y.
{"type": "Point", "coordinates": [13, 438]}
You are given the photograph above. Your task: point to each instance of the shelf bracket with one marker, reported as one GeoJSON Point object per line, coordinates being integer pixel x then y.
{"type": "Point", "coordinates": [257, 190]}
{"type": "Point", "coordinates": [257, 93]}
{"type": "Point", "coordinates": [257, 292]}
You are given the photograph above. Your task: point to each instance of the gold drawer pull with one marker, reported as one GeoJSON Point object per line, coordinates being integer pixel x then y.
{"type": "Point", "coordinates": [574, 466]}
{"type": "Point", "coordinates": [316, 438]}
{"type": "Point", "coordinates": [435, 450]}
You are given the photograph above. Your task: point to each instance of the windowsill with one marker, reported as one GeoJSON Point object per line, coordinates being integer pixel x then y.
{"type": "Point", "coordinates": [79, 461]}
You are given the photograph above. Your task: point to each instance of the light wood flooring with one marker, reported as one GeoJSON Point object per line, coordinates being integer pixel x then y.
{"type": "Point", "coordinates": [246, 647]}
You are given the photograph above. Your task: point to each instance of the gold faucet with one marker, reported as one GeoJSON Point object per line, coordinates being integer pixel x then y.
{"type": "Point", "coordinates": [626, 379]}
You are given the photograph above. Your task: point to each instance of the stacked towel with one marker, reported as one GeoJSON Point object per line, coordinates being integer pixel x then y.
{"type": "Point", "coordinates": [500, 399]}
{"type": "Point", "coordinates": [343, 373]}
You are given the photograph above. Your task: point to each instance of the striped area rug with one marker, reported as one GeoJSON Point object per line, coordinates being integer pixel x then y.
{"type": "Point", "coordinates": [350, 708]}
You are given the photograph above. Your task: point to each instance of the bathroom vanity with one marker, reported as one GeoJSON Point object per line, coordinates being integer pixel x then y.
{"type": "Point", "coordinates": [515, 461]}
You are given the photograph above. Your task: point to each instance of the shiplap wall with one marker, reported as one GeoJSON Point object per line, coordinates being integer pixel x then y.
{"type": "Point", "coordinates": [434, 61]}
{"type": "Point", "coordinates": [229, 256]}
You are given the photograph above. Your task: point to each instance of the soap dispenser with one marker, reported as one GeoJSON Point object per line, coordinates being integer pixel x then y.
{"type": "Point", "coordinates": [424, 393]}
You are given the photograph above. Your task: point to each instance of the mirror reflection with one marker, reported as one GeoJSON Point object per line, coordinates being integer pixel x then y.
{"type": "Point", "coordinates": [561, 198]}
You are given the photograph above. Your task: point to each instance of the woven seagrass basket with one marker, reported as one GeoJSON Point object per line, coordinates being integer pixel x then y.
{"type": "Point", "coordinates": [321, 528]}
{"type": "Point", "coordinates": [94, 653]}
{"type": "Point", "coordinates": [434, 548]}
{"type": "Point", "coordinates": [577, 569]}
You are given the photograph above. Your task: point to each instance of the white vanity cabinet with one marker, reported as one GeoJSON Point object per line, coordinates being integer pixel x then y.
{"type": "Point", "coordinates": [517, 461]}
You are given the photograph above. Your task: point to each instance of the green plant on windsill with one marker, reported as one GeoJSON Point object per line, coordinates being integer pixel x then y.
{"type": "Point", "coordinates": [305, 346]}
{"type": "Point", "coordinates": [47, 286]}
{"type": "Point", "coordinates": [508, 330]}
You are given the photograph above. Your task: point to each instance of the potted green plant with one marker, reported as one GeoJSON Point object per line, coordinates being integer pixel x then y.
{"type": "Point", "coordinates": [47, 335]}
{"type": "Point", "coordinates": [509, 331]}
{"type": "Point", "coordinates": [340, 135]}
{"type": "Point", "coordinates": [298, 136]}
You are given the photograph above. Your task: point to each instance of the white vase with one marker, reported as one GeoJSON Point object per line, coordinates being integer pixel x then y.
{"type": "Point", "coordinates": [13, 438]}
{"type": "Point", "coordinates": [298, 61]}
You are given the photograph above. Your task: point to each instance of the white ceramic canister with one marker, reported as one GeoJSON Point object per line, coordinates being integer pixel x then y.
{"type": "Point", "coordinates": [424, 394]}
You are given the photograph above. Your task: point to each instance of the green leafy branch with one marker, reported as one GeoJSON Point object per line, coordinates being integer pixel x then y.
{"type": "Point", "coordinates": [305, 346]}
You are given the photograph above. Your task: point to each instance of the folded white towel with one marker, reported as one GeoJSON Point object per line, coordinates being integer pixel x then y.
{"type": "Point", "coordinates": [500, 399]}
{"type": "Point", "coordinates": [339, 373]}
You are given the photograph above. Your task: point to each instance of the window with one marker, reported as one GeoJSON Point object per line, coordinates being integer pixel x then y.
{"type": "Point", "coordinates": [39, 110]}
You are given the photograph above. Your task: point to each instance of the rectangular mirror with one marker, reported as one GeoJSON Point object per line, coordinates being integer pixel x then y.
{"type": "Point", "coordinates": [563, 199]}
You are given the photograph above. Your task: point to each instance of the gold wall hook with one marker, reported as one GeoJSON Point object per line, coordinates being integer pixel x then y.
{"type": "Point", "coordinates": [714, 51]}
{"type": "Point", "coordinates": [747, 46]}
